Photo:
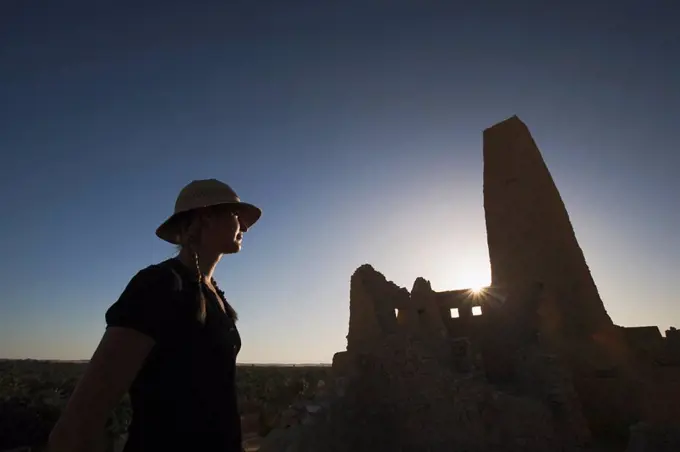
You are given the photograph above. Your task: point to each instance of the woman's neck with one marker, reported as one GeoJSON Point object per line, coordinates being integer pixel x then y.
{"type": "Point", "coordinates": [207, 261]}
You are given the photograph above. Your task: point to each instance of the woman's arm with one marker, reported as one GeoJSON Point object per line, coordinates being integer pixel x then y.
{"type": "Point", "coordinates": [108, 376]}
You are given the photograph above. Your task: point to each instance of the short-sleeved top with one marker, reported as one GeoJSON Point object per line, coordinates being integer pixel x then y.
{"type": "Point", "coordinates": [185, 393]}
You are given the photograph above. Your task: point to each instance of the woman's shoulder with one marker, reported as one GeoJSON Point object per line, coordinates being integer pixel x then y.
{"type": "Point", "coordinates": [160, 275]}
{"type": "Point", "coordinates": [150, 292]}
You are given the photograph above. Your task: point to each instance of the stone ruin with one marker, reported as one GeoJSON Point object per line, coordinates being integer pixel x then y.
{"type": "Point", "coordinates": [531, 363]}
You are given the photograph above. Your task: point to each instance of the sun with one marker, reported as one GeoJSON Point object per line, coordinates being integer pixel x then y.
{"type": "Point", "coordinates": [477, 289]}
{"type": "Point", "coordinates": [471, 271]}
{"type": "Point", "coordinates": [477, 284]}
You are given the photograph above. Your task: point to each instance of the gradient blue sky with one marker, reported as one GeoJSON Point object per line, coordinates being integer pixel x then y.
{"type": "Point", "coordinates": [356, 127]}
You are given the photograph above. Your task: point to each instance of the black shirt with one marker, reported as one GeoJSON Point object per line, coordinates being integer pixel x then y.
{"type": "Point", "coordinates": [184, 397]}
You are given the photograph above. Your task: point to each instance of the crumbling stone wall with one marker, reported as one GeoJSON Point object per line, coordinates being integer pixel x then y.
{"type": "Point", "coordinates": [420, 388]}
{"type": "Point", "coordinates": [373, 301]}
{"type": "Point", "coordinates": [424, 304]}
{"type": "Point", "coordinates": [379, 307]}
{"type": "Point", "coordinates": [672, 347]}
{"type": "Point", "coordinates": [645, 342]}
{"type": "Point", "coordinates": [466, 324]}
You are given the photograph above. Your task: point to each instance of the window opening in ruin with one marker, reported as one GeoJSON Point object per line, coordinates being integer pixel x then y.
{"type": "Point", "coordinates": [476, 310]}
{"type": "Point", "coordinates": [396, 312]}
{"type": "Point", "coordinates": [454, 313]}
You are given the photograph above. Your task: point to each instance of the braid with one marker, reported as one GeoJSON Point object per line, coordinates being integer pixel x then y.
{"type": "Point", "coordinates": [202, 312]}
{"type": "Point", "coordinates": [189, 236]}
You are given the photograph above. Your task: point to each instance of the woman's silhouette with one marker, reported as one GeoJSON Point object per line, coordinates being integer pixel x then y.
{"type": "Point", "coordinates": [171, 340]}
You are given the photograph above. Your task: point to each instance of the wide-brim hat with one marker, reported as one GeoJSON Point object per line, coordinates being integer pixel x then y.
{"type": "Point", "coordinates": [205, 193]}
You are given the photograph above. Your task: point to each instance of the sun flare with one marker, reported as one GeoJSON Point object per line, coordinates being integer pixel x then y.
{"type": "Point", "coordinates": [477, 289]}
{"type": "Point", "coordinates": [475, 278]}
{"type": "Point", "coordinates": [478, 285]}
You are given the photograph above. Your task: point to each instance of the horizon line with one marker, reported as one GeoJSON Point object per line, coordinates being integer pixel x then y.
{"type": "Point", "coordinates": [80, 361]}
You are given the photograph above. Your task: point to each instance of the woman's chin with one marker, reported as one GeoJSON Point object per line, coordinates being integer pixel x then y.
{"type": "Point", "coordinates": [233, 248]}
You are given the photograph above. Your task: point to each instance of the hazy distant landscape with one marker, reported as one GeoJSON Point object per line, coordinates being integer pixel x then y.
{"type": "Point", "coordinates": [85, 361]}
{"type": "Point", "coordinates": [33, 393]}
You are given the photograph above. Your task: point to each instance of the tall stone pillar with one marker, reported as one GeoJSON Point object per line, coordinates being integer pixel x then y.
{"type": "Point", "coordinates": [529, 234]}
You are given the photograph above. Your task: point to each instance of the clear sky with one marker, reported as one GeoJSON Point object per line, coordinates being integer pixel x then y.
{"type": "Point", "coordinates": [356, 127]}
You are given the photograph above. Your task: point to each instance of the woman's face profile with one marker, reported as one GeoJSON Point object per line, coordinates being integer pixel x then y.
{"type": "Point", "coordinates": [223, 231]}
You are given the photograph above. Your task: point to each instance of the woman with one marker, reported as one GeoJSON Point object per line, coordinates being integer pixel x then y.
{"type": "Point", "coordinates": [171, 340]}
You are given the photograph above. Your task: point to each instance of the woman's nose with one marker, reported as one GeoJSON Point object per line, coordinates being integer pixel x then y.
{"type": "Point", "coordinates": [242, 225]}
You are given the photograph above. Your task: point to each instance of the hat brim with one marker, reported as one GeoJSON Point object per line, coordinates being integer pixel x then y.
{"type": "Point", "coordinates": [169, 230]}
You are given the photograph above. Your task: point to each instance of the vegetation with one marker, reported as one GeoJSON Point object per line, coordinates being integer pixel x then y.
{"type": "Point", "coordinates": [33, 393]}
